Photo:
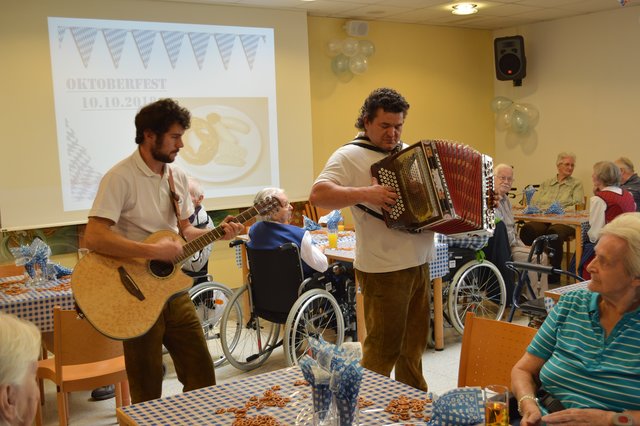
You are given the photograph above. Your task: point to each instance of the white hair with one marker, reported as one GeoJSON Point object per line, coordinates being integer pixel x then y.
{"type": "Point", "coordinates": [20, 344]}
{"type": "Point", "coordinates": [194, 188]}
{"type": "Point", "coordinates": [264, 194]}
{"type": "Point", "coordinates": [627, 227]}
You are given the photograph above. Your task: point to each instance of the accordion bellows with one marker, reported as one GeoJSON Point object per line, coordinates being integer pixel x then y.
{"type": "Point", "coordinates": [443, 186]}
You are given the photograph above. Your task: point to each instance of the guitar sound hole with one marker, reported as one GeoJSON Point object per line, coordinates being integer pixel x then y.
{"type": "Point", "coordinates": [161, 269]}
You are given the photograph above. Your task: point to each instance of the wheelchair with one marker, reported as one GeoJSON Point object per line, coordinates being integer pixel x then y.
{"type": "Point", "coordinates": [526, 298]}
{"type": "Point", "coordinates": [210, 299]}
{"type": "Point", "coordinates": [474, 285]}
{"type": "Point", "coordinates": [277, 295]}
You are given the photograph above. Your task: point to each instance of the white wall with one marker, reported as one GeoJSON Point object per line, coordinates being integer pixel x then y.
{"type": "Point", "coordinates": [583, 75]}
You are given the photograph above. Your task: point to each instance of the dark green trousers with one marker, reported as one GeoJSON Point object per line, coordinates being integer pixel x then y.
{"type": "Point", "coordinates": [179, 329]}
{"type": "Point", "coordinates": [397, 313]}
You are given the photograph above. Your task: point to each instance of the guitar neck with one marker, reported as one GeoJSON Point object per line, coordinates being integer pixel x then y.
{"type": "Point", "coordinates": [216, 233]}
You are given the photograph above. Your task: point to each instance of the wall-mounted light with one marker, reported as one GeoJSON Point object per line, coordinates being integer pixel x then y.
{"type": "Point", "coordinates": [464, 9]}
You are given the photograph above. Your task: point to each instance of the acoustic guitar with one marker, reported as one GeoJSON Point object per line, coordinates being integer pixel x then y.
{"type": "Point", "coordinates": [123, 298]}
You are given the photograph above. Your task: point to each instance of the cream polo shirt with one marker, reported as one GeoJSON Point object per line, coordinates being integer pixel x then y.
{"type": "Point", "coordinates": [378, 248]}
{"type": "Point", "coordinates": [138, 200]}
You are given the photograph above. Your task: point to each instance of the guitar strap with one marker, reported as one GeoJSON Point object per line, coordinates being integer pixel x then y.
{"type": "Point", "coordinates": [174, 200]}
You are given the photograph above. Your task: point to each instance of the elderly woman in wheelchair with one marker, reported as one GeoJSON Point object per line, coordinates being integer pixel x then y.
{"type": "Point", "coordinates": [289, 285]}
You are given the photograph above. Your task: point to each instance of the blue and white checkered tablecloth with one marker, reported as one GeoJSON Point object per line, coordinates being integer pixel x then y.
{"type": "Point", "coordinates": [37, 304]}
{"type": "Point", "coordinates": [549, 302]}
{"type": "Point", "coordinates": [438, 267]}
{"type": "Point", "coordinates": [199, 407]}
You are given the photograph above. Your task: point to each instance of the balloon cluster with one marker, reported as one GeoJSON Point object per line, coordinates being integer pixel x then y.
{"type": "Point", "coordinates": [519, 118]}
{"type": "Point", "coordinates": [350, 56]}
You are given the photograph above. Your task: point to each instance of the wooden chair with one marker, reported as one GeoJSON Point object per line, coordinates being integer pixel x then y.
{"type": "Point", "coordinates": [489, 351]}
{"type": "Point", "coordinates": [314, 213]}
{"type": "Point", "coordinates": [84, 359]}
{"type": "Point", "coordinates": [11, 270]}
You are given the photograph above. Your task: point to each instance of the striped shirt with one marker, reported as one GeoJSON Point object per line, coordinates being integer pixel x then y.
{"type": "Point", "coordinates": [583, 369]}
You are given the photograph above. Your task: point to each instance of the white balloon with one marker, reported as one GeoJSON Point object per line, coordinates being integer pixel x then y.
{"type": "Point", "coordinates": [349, 46]}
{"type": "Point", "coordinates": [531, 112]}
{"type": "Point", "coordinates": [500, 103]}
{"type": "Point", "coordinates": [519, 122]}
{"type": "Point", "coordinates": [366, 47]}
{"type": "Point", "coordinates": [334, 47]}
{"type": "Point", "coordinates": [503, 119]}
{"type": "Point", "coordinates": [358, 64]}
{"type": "Point", "coordinates": [340, 64]}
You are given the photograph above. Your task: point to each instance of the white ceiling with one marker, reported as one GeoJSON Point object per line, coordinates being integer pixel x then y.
{"type": "Point", "coordinates": [492, 15]}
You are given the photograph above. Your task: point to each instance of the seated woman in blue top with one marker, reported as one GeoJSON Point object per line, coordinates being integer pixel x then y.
{"type": "Point", "coordinates": [586, 353]}
{"type": "Point", "coordinates": [274, 230]}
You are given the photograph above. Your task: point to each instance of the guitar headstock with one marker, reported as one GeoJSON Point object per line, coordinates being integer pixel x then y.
{"type": "Point", "coordinates": [267, 205]}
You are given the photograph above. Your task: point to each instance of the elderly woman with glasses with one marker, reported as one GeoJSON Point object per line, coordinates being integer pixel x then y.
{"type": "Point", "coordinates": [274, 230]}
{"type": "Point", "coordinates": [564, 189]}
{"type": "Point", "coordinates": [585, 356]}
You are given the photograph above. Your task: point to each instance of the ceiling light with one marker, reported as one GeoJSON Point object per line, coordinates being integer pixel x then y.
{"type": "Point", "coordinates": [464, 9]}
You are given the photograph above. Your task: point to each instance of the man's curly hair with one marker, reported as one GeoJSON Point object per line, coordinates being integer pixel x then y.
{"type": "Point", "coordinates": [387, 99]}
{"type": "Point", "coordinates": [159, 116]}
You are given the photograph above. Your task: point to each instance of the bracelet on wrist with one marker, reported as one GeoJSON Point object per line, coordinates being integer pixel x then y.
{"type": "Point", "coordinates": [522, 398]}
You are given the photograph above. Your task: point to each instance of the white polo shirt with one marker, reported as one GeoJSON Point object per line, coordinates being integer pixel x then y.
{"type": "Point", "coordinates": [378, 248]}
{"type": "Point", "coordinates": [138, 200]}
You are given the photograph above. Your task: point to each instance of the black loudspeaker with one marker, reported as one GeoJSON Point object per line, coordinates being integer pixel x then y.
{"type": "Point", "coordinates": [511, 64]}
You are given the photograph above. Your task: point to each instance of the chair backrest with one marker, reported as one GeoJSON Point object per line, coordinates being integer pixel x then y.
{"type": "Point", "coordinates": [489, 351]}
{"type": "Point", "coordinates": [274, 276]}
{"type": "Point", "coordinates": [314, 213]}
{"type": "Point", "coordinates": [76, 341]}
{"type": "Point", "coordinates": [11, 270]}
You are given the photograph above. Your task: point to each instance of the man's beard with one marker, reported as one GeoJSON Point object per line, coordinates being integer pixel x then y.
{"type": "Point", "coordinates": [159, 156]}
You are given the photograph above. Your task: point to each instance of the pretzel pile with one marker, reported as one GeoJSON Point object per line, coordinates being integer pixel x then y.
{"type": "Point", "coordinates": [404, 408]}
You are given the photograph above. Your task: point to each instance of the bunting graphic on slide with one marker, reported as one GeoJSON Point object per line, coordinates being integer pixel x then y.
{"type": "Point", "coordinates": [225, 47]}
{"type": "Point", "coordinates": [250, 47]}
{"type": "Point", "coordinates": [84, 38]}
{"type": "Point", "coordinates": [172, 43]}
{"type": "Point", "coordinates": [115, 38]}
{"type": "Point", "coordinates": [115, 43]}
{"type": "Point", "coordinates": [199, 44]}
{"type": "Point", "coordinates": [144, 40]}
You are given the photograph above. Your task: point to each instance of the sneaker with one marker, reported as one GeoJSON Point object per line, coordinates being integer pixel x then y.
{"type": "Point", "coordinates": [104, 392]}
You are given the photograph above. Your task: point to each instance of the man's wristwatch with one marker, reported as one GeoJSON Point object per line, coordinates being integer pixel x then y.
{"type": "Point", "coordinates": [622, 419]}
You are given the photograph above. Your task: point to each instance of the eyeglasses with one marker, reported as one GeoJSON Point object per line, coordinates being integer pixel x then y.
{"type": "Point", "coordinates": [504, 178]}
{"type": "Point", "coordinates": [567, 164]}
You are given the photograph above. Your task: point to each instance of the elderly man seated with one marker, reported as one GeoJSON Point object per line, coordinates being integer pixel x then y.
{"type": "Point", "coordinates": [518, 251]}
{"type": "Point", "coordinates": [629, 179]}
{"type": "Point", "coordinates": [583, 365]}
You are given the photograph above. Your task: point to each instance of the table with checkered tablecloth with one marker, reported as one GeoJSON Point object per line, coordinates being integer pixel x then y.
{"type": "Point", "coordinates": [551, 297]}
{"type": "Point", "coordinates": [199, 407]}
{"type": "Point", "coordinates": [36, 305]}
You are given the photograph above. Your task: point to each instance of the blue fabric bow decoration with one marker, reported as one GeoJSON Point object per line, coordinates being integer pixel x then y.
{"type": "Point", "coordinates": [462, 406]}
{"type": "Point", "coordinates": [309, 224]}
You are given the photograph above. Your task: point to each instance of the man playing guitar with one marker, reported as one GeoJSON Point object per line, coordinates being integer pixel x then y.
{"type": "Point", "coordinates": [137, 197]}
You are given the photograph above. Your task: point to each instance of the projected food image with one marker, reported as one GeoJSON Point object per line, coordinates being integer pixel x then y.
{"type": "Point", "coordinates": [222, 144]}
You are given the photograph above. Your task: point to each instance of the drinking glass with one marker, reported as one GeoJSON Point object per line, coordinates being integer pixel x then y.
{"type": "Point", "coordinates": [325, 418]}
{"type": "Point", "coordinates": [496, 405]}
{"type": "Point", "coordinates": [332, 236]}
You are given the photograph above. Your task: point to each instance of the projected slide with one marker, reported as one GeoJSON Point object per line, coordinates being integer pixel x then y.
{"type": "Point", "coordinates": [104, 71]}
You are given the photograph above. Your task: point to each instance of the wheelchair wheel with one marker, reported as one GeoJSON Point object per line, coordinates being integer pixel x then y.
{"type": "Point", "coordinates": [247, 340]}
{"type": "Point", "coordinates": [315, 313]}
{"type": "Point", "coordinates": [476, 287]}
{"type": "Point", "coordinates": [210, 300]}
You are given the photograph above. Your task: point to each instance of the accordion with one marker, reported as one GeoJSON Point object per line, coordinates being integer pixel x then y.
{"type": "Point", "coordinates": [443, 186]}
